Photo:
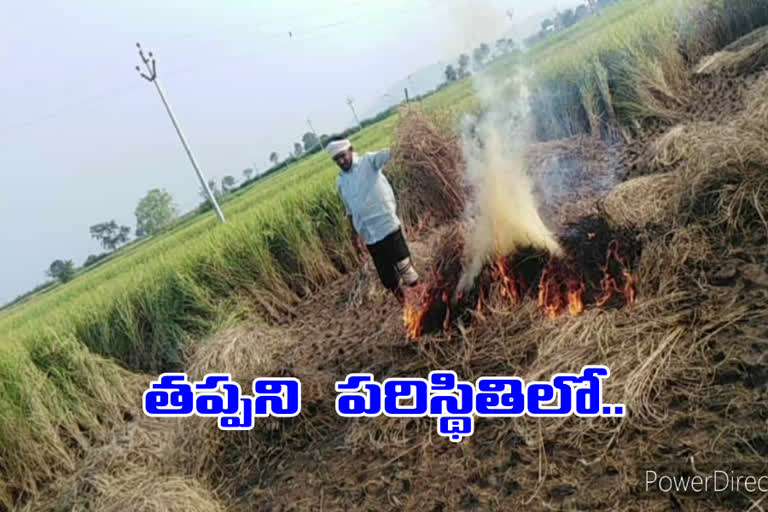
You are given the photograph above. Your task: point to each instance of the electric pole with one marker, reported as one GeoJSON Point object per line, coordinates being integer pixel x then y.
{"type": "Point", "coordinates": [312, 128]}
{"type": "Point", "coordinates": [351, 103]}
{"type": "Point", "coordinates": [151, 76]}
{"type": "Point", "coordinates": [413, 87]}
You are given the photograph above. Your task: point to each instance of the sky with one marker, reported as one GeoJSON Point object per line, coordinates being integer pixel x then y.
{"type": "Point", "coordinates": [83, 137]}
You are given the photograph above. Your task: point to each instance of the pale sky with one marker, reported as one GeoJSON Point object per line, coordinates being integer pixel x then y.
{"type": "Point", "coordinates": [83, 138]}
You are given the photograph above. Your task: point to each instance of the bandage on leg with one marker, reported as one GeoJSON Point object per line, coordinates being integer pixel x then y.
{"type": "Point", "coordinates": [407, 272]}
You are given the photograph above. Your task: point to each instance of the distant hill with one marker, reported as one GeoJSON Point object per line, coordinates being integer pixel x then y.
{"type": "Point", "coordinates": [429, 77]}
{"type": "Point", "coordinates": [420, 82]}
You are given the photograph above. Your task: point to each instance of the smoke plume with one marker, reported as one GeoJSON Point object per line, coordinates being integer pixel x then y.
{"type": "Point", "coordinates": [502, 213]}
{"type": "Point", "coordinates": [479, 21]}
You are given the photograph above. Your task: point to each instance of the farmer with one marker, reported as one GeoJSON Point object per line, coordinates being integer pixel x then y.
{"type": "Point", "coordinates": [370, 207]}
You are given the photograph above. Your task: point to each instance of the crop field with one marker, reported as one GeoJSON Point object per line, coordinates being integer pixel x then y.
{"type": "Point", "coordinates": [74, 360]}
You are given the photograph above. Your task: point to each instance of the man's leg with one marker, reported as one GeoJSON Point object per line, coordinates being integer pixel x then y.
{"type": "Point", "coordinates": [402, 258]}
{"type": "Point", "coordinates": [382, 260]}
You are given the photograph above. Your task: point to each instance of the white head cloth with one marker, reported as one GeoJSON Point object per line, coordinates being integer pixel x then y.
{"type": "Point", "coordinates": [336, 147]}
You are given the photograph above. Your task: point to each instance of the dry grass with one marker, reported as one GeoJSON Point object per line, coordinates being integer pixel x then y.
{"type": "Point", "coordinates": [644, 201]}
{"type": "Point", "coordinates": [744, 56]}
{"type": "Point", "coordinates": [756, 106]}
{"type": "Point", "coordinates": [429, 159]}
{"type": "Point", "coordinates": [570, 174]}
{"type": "Point", "coordinates": [130, 473]}
{"type": "Point", "coordinates": [723, 169]}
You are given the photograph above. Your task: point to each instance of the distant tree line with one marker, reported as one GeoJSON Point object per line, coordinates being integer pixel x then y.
{"type": "Point", "coordinates": [565, 19]}
{"type": "Point", "coordinates": [481, 57]}
{"type": "Point", "coordinates": [154, 213]}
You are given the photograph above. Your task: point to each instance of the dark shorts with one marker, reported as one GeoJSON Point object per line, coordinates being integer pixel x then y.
{"type": "Point", "coordinates": [386, 254]}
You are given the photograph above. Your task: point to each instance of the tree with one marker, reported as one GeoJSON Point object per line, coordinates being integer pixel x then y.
{"type": "Point", "coordinates": [228, 184]}
{"type": "Point", "coordinates": [547, 24]}
{"type": "Point", "coordinates": [485, 51]}
{"type": "Point", "coordinates": [61, 270]}
{"type": "Point", "coordinates": [154, 212]}
{"type": "Point", "coordinates": [480, 55]}
{"type": "Point", "coordinates": [94, 258]}
{"type": "Point", "coordinates": [581, 12]}
{"type": "Point", "coordinates": [298, 149]}
{"type": "Point", "coordinates": [247, 173]}
{"type": "Point", "coordinates": [109, 234]}
{"type": "Point", "coordinates": [502, 47]}
{"type": "Point", "coordinates": [505, 46]}
{"type": "Point", "coordinates": [565, 19]}
{"type": "Point", "coordinates": [602, 4]}
{"type": "Point", "coordinates": [463, 65]}
{"type": "Point", "coordinates": [310, 141]}
{"type": "Point", "coordinates": [450, 73]}
{"type": "Point", "coordinates": [214, 188]}
{"type": "Point", "coordinates": [274, 158]}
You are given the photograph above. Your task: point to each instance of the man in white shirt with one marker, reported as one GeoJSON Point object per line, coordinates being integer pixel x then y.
{"type": "Point", "coordinates": [370, 205]}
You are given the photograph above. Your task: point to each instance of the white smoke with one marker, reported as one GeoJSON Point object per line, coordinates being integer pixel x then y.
{"type": "Point", "coordinates": [502, 213]}
{"type": "Point", "coordinates": [479, 21]}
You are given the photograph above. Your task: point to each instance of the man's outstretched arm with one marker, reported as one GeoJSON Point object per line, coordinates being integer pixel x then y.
{"type": "Point", "coordinates": [381, 158]}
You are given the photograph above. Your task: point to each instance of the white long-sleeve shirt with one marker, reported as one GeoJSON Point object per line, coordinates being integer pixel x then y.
{"type": "Point", "coordinates": [368, 197]}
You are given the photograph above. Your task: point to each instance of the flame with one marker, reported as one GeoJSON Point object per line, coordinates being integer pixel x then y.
{"type": "Point", "coordinates": [608, 284]}
{"type": "Point", "coordinates": [414, 311]}
{"type": "Point", "coordinates": [480, 301]}
{"type": "Point", "coordinates": [561, 290]}
{"type": "Point", "coordinates": [576, 289]}
{"type": "Point", "coordinates": [629, 288]}
{"type": "Point", "coordinates": [509, 283]}
{"type": "Point", "coordinates": [447, 319]}
{"type": "Point", "coordinates": [546, 300]}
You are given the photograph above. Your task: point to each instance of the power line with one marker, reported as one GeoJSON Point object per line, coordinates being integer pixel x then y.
{"type": "Point", "coordinates": [271, 22]}
{"type": "Point", "coordinates": [311, 33]}
{"type": "Point", "coordinates": [95, 98]}
{"type": "Point", "coordinates": [110, 92]}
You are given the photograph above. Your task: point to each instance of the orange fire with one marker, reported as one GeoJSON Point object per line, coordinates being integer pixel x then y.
{"type": "Point", "coordinates": [629, 288]}
{"type": "Point", "coordinates": [576, 289]}
{"type": "Point", "coordinates": [562, 290]}
{"type": "Point", "coordinates": [509, 289]}
{"type": "Point", "coordinates": [447, 319]}
{"type": "Point", "coordinates": [480, 302]}
{"type": "Point", "coordinates": [414, 311]}
{"type": "Point", "coordinates": [609, 286]}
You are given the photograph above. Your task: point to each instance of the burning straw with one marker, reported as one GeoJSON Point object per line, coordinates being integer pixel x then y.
{"type": "Point", "coordinates": [596, 269]}
{"type": "Point", "coordinates": [504, 251]}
